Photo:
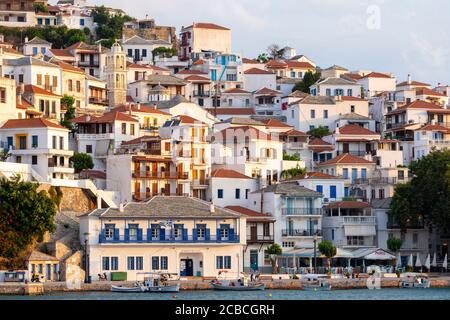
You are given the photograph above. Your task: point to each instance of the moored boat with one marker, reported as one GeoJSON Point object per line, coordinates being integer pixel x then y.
{"type": "Point", "coordinates": [160, 282]}
{"type": "Point", "coordinates": [138, 288]}
{"type": "Point", "coordinates": [237, 286]}
{"type": "Point", "coordinates": [315, 282]}
{"type": "Point", "coordinates": [414, 280]}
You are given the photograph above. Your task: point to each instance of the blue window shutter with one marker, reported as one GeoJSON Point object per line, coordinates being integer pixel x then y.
{"type": "Point", "coordinates": [162, 234]}
{"type": "Point", "coordinates": [333, 192]}
{"type": "Point", "coordinates": [127, 234]}
{"type": "Point", "coordinates": [149, 234]}
{"type": "Point", "coordinates": [346, 192]}
{"type": "Point", "coordinates": [231, 233]}
{"type": "Point", "coordinates": [194, 234]}
{"type": "Point", "coordinates": [116, 235]}
{"type": "Point", "coordinates": [319, 189]}
{"type": "Point", "coordinates": [185, 234]}
{"type": "Point", "coordinates": [208, 234]}
{"type": "Point", "coordinates": [139, 234]}
{"type": "Point", "coordinates": [218, 237]}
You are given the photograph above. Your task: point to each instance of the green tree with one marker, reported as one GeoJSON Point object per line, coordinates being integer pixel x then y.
{"type": "Point", "coordinates": [40, 7]}
{"type": "Point", "coordinates": [308, 80]}
{"type": "Point", "coordinates": [263, 58]}
{"type": "Point", "coordinates": [293, 172]}
{"type": "Point", "coordinates": [319, 132]}
{"type": "Point", "coordinates": [394, 244]}
{"type": "Point", "coordinates": [56, 194]}
{"type": "Point", "coordinates": [276, 52]}
{"type": "Point", "coordinates": [4, 155]}
{"type": "Point", "coordinates": [82, 161]}
{"type": "Point", "coordinates": [163, 52]}
{"type": "Point", "coordinates": [328, 250]}
{"type": "Point", "coordinates": [294, 157]}
{"type": "Point", "coordinates": [426, 199]}
{"type": "Point", "coordinates": [274, 251]}
{"type": "Point", "coordinates": [109, 27]}
{"type": "Point", "coordinates": [68, 102]}
{"type": "Point", "coordinates": [25, 216]}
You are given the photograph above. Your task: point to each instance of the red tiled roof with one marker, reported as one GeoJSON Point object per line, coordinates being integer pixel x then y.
{"type": "Point", "coordinates": [294, 133]}
{"type": "Point", "coordinates": [352, 76]}
{"type": "Point", "coordinates": [199, 62]}
{"type": "Point", "coordinates": [236, 90]}
{"type": "Point", "coordinates": [346, 159]}
{"type": "Point", "coordinates": [135, 141]}
{"type": "Point", "coordinates": [348, 205]}
{"type": "Point", "coordinates": [61, 53]}
{"type": "Point", "coordinates": [250, 213]}
{"type": "Point", "coordinates": [274, 64]}
{"type": "Point", "coordinates": [196, 78]}
{"type": "Point", "coordinates": [190, 120]}
{"type": "Point", "coordinates": [319, 142]}
{"type": "Point", "coordinates": [276, 123]}
{"type": "Point", "coordinates": [232, 111]}
{"type": "Point", "coordinates": [23, 104]}
{"type": "Point", "coordinates": [349, 98]}
{"type": "Point", "coordinates": [299, 65]}
{"type": "Point", "coordinates": [141, 108]}
{"type": "Point", "coordinates": [31, 123]}
{"type": "Point", "coordinates": [313, 175]}
{"type": "Point", "coordinates": [377, 75]}
{"type": "Point", "coordinates": [250, 61]}
{"type": "Point", "coordinates": [96, 174]}
{"type": "Point", "coordinates": [145, 66]}
{"type": "Point", "coordinates": [257, 71]}
{"type": "Point", "coordinates": [419, 104]}
{"type": "Point", "coordinates": [68, 67]}
{"type": "Point", "coordinates": [230, 174]}
{"type": "Point", "coordinates": [207, 25]}
{"type": "Point", "coordinates": [191, 72]}
{"type": "Point", "coordinates": [434, 127]}
{"type": "Point", "coordinates": [429, 92]}
{"type": "Point", "coordinates": [266, 91]}
{"type": "Point", "coordinates": [354, 129]}
{"type": "Point", "coordinates": [29, 88]}
{"type": "Point", "coordinates": [413, 83]}
{"type": "Point", "coordinates": [108, 117]}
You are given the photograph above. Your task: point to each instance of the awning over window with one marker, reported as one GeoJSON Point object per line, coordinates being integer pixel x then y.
{"type": "Point", "coordinates": [360, 231]}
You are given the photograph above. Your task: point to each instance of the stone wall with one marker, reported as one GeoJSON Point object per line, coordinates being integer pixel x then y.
{"type": "Point", "coordinates": [74, 199]}
{"type": "Point", "coordinates": [158, 32]}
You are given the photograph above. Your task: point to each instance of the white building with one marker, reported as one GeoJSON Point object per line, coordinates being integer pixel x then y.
{"type": "Point", "coordinates": [40, 143]}
{"type": "Point", "coordinates": [35, 46]}
{"type": "Point", "coordinates": [430, 137]}
{"type": "Point", "coordinates": [178, 235]}
{"type": "Point", "coordinates": [336, 87]}
{"type": "Point", "coordinates": [375, 83]}
{"type": "Point", "coordinates": [140, 50]}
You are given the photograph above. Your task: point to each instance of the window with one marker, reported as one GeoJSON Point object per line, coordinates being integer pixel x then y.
{"type": "Point", "coordinates": [132, 129]}
{"type": "Point", "coordinates": [144, 53]}
{"type": "Point", "coordinates": [363, 174]}
{"type": "Point", "coordinates": [89, 148]}
{"type": "Point", "coordinates": [130, 52]}
{"type": "Point", "coordinates": [345, 173]}
{"type": "Point", "coordinates": [164, 263]}
{"type": "Point", "coordinates": [39, 79]}
{"type": "Point", "coordinates": [2, 95]}
{"type": "Point", "coordinates": [333, 192]}
{"type": "Point", "coordinates": [130, 263]}
{"type": "Point", "coordinates": [220, 193]}
{"type": "Point", "coordinates": [238, 193]}
{"type": "Point", "coordinates": [61, 143]}
{"type": "Point", "coordinates": [114, 263]}
{"type": "Point", "coordinates": [292, 114]}
{"type": "Point", "coordinates": [401, 175]}
{"type": "Point", "coordinates": [352, 109]}
{"type": "Point", "coordinates": [266, 229]}
{"type": "Point", "coordinates": [78, 86]}
{"type": "Point", "coordinates": [22, 142]}
{"type": "Point", "coordinates": [223, 262]}
{"type": "Point", "coordinates": [81, 22]}
{"type": "Point", "coordinates": [34, 141]}
{"type": "Point", "coordinates": [313, 114]}
{"type": "Point", "coordinates": [155, 263]}
{"type": "Point", "coordinates": [105, 263]}
{"type": "Point", "coordinates": [288, 244]}
{"type": "Point", "coordinates": [381, 193]}
{"type": "Point", "coordinates": [139, 263]}
{"type": "Point", "coordinates": [325, 114]}
{"type": "Point", "coordinates": [54, 142]}
{"type": "Point", "coordinates": [247, 191]}
{"type": "Point", "coordinates": [349, 92]}
{"type": "Point", "coordinates": [124, 128]}
{"type": "Point", "coordinates": [55, 81]}
{"type": "Point", "coordinates": [34, 160]}
{"type": "Point", "coordinates": [328, 92]}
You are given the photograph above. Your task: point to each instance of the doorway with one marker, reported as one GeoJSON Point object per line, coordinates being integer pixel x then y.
{"type": "Point", "coordinates": [254, 260]}
{"type": "Point", "coordinates": [186, 268]}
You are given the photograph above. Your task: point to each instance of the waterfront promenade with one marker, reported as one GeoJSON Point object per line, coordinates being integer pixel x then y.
{"type": "Point", "coordinates": [437, 281]}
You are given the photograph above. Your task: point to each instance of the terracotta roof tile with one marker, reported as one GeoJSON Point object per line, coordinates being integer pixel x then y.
{"type": "Point", "coordinates": [354, 129]}
{"type": "Point", "coordinates": [253, 215]}
{"type": "Point", "coordinates": [236, 90]}
{"type": "Point", "coordinates": [29, 88]}
{"type": "Point", "coordinates": [257, 71]}
{"type": "Point", "coordinates": [230, 174]}
{"type": "Point", "coordinates": [31, 123]}
{"type": "Point", "coordinates": [346, 159]}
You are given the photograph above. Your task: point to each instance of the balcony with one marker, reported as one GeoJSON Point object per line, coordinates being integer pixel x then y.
{"type": "Point", "coordinates": [200, 183]}
{"type": "Point", "coordinates": [301, 211]}
{"type": "Point", "coordinates": [439, 143]}
{"type": "Point", "coordinates": [355, 153]}
{"type": "Point", "coordinates": [200, 94]}
{"type": "Point", "coordinates": [256, 160]}
{"type": "Point", "coordinates": [295, 145]}
{"type": "Point", "coordinates": [260, 239]}
{"type": "Point", "coordinates": [161, 175]}
{"type": "Point", "coordinates": [167, 238]}
{"type": "Point", "coordinates": [359, 220]}
{"type": "Point", "coordinates": [396, 125]}
{"type": "Point", "coordinates": [300, 233]}
{"type": "Point", "coordinates": [95, 136]}
{"type": "Point", "coordinates": [95, 100]}
{"type": "Point", "coordinates": [379, 181]}
{"type": "Point", "coordinates": [90, 64]}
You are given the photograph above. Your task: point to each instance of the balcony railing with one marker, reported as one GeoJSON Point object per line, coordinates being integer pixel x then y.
{"type": "Point", "coordinates": [301, 211]}
{"type": "Point", "coordinates": [260, 239]}
{"type": "Point", "coordinates": [355, 153]}
{"type": "Point", "coordinates": [359, 220]}
{"type": "Point", "coordinates": [200, 182]}
{"type": "Point", "coordinates": [439, 143]}
{"type": "Point", "coordinates": [256, 160]}
{"type": "Point", "coordinates": [295, 145]}
{"type": "Point", "coordinates": [161, 175]}
{"type": "Point", "coordinates": [95, 100]}
{"type": "Point", "coordinates": [205, 93]}
{"type": "Point", "coordinates": [300, 233]}
{"type": "Point", "coordinates": [168, 238]}
{"type": "Point", "coordinates": [395, 125]}
{"type": "Point", "coordinates": [386, 180]}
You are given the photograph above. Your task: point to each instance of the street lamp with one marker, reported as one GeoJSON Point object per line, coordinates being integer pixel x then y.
{"type": "Point", "coordinates": [86, 262]}
{"type": "Point", "coordinates": [315, 255]}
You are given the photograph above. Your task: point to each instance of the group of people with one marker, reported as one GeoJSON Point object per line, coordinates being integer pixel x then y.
{"type": "Point", "coordinates": [254, 277]}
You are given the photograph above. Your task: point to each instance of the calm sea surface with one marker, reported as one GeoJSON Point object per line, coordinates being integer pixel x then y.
{"type": "Point", "coordinates": [383, 294]}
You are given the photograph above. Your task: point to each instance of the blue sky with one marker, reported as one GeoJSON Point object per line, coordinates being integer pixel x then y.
{"type": "Point", "coordinates": [399, 36]}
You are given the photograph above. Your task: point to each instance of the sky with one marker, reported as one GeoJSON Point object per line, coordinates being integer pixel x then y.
{"type": "Point", "coordinates": [399, 36]}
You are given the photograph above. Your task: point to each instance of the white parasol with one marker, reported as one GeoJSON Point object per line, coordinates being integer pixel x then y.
{"type": "Point", "coordinates": [410, 261]}
{"type": "Point", "coordinates": [418, 262]}
{"type": "Point", "coordinates": [399, 261]}
{"type": "Point", "coordinates": [444, 265]}
{"type": "Point", "coordinates": [428, 262]}
{"type": "Point", "coordinates": [434, 263]}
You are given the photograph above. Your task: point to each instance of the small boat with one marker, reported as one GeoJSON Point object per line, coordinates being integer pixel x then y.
{"type": "Point", "coordinates": [237, 286]}
{"type": "Point", "coordinates": [159, 282]}
{"type": "Point", "coordinates": [315, 282]}
{"type": "Point", "coordinates": [415, 280]}
{"type": "Point", "coordinates": [137, 288]}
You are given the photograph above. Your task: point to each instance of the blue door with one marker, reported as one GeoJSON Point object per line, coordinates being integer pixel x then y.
{"type": "Point", "coordinates": [354, 174]}
{"type": "Point", "coordinates": [186, 268]}
{"type": "Point", "coordinates": [319, 189]}
{"type": "Point", "coordinates": [333, 192]}
{"type": "Point", "coordinates": [254, 260]}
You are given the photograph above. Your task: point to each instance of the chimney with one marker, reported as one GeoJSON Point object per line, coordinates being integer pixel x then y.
{"type": "Point", "coordinates": [337, 131]}
{"type": "Point", "coordinates": [212, 208]}
{"type": "Point", "coordinates": [26, 39]}
{"type": "Point", "coordinates": [121, 207]}
{"type": "Point", "coordinates": [129, 109]}
{"type": "Point", "coordinates": [409, 79]}
{"type": "Point", "coordinates": [139, 106]}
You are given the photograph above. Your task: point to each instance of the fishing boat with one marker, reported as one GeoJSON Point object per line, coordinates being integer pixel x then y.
{"type": "Point", "coordinates": [414, 280]}
{"type": "Point", "coordinates": [160, 282]}
{"type": "Point", "coordinates": [315, 282]}
{"type": "Point", "coordinates": [137, 288]}
{"type": "Point", "coordinates": [241, 284]}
